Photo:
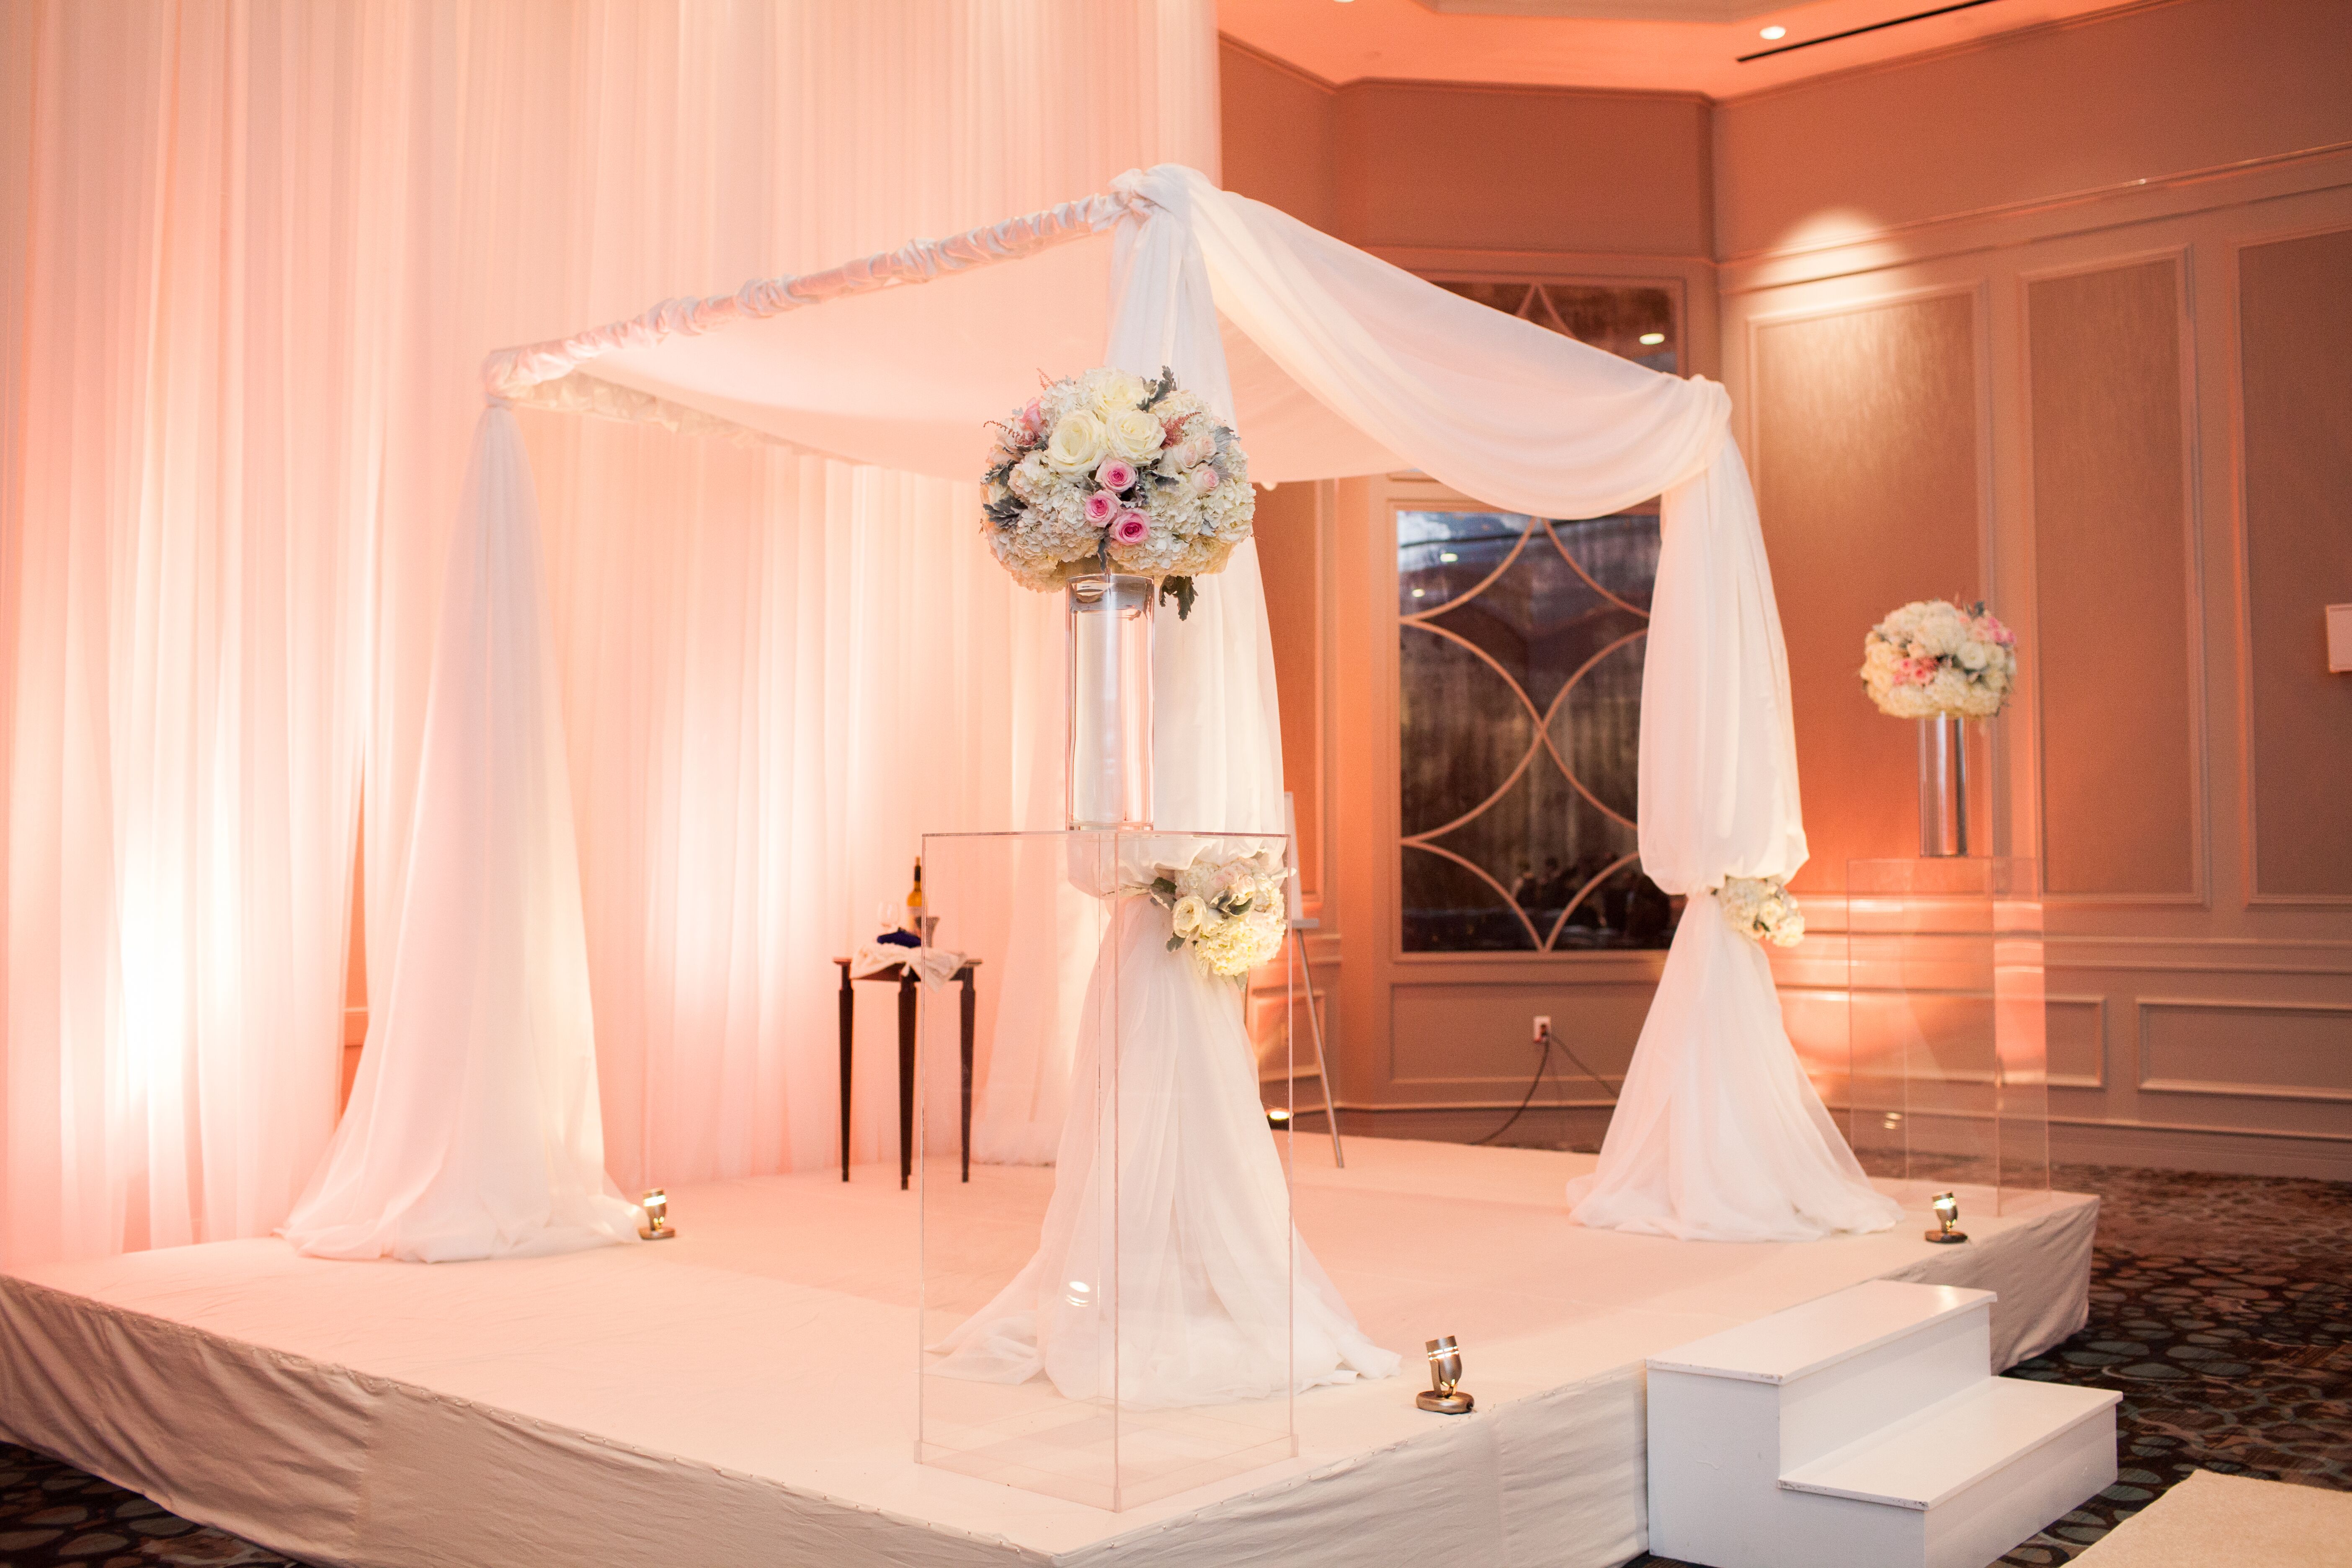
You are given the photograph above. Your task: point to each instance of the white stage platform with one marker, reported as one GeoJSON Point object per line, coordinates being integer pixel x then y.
{"type": "Point", "coordinates": [743, 1396]}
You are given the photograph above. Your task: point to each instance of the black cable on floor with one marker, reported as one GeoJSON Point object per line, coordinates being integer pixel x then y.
{"type": "Point", "coordinates": [1543, 1062]}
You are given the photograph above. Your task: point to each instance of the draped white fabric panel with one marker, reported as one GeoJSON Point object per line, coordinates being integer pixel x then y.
{"type": "Point", "coordinates": [449, 1149]}
{"type": "Point", "coordinates": [265, 250]}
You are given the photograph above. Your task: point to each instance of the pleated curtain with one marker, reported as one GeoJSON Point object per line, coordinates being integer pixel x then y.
{"type": "Point", "coordinates": [257, 253]}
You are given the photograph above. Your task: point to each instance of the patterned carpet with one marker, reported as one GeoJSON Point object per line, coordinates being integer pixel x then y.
{"type": "Point", "coordinates": [2221, 1309]}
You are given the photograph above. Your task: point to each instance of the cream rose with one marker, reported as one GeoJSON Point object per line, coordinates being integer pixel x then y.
{"type": "Point", "coordinates": [1078, 442]}
{"type": "Point", "coordinates": [1115, 390]}
{"type": "Point", "coordinates": [1188, 915]}
{"type": "Point", "coordinates": [1133, 434]}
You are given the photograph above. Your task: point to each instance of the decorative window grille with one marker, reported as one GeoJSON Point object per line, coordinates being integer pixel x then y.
{"type": "Point", "coordinates": [1521, 683]}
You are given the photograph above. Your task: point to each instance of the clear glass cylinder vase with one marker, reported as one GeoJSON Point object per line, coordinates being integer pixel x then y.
{"type": "Point", "coordinates": [1943, 789]}
{"type": "Point", "coordinates": [1108, 771]}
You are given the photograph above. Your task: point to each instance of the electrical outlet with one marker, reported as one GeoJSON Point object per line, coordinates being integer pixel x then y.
{"type": "Point", "coordinates": [1543, 1024]}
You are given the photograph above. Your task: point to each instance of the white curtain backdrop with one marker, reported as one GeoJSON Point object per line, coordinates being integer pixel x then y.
{"type": "Point", "coordinates": [264, 249]}
{"type": "Point", "coordinates": [189, 459]}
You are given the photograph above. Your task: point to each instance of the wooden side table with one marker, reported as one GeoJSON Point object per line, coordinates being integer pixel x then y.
{"type": "Point", "coordinates": [904, 973]}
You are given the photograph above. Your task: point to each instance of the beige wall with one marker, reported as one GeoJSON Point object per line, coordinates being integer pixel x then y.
{"type": "Point", "coordinates": [1392, 164]}
{"type": "Point", "coordinates": [2060, 319]}
{"type": "Point", "coordinates": [2032, 117]}
{"type": "Point", "coordinates": [2149, 217]}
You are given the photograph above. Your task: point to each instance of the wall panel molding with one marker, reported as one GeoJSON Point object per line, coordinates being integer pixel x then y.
{"type": "Point", "coordinates": [2307, 1034]}
{"type": "Point", "coordinates": [2290, 408]}
{"type": "Point", "coordinates": [1862, 250]}
{"type": "Point", "coordinates": [2096, 1005]}
{"type": "Point", "coordinates": [1864, 411]}
{"type": "Point", "coordinates": [2110, 414]}
{"type": "Point", "coordinates": [2197, 954]}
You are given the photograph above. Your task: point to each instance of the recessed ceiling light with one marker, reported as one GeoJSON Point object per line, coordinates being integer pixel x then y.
{"type": "Point", "coordinates": [1417, 592]}
{"type": "Point", "coordinates": [1653, 339]}
{"type": "Point", "coordinates": [1447, 555]}
{"type": "Point", "coordinates": [1774, 31]}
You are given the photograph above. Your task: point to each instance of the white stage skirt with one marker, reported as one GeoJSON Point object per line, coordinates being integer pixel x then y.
{"type": "Point", "coordinates": [743, 1396]}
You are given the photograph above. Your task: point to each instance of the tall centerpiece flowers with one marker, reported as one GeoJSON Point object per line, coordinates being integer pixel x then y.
{"type": "Point", "coordinates": [1120, 491]}
{"type": "Point", "coordinates": [1939, 664]}
{"type": "Point", "coordinates": [1932, 660]}
{"type": "Point", "coordinates": [1106, 472]}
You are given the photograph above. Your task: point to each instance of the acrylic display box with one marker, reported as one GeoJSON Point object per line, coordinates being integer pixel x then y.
{"type": "Point", "coordinates": [1134, 1293]}
{"type": "Point", "coordinates": [1948, 1075]}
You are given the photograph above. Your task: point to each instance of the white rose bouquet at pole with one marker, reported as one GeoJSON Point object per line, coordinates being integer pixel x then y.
{"type": "Point", "coordinates": [1229, 912]}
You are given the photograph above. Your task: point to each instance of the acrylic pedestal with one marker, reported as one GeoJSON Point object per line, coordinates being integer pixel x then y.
{"type": "Point", "coordinates": [1045, 912]}
{"type": "Point", "coordinates": [1948, 1078]}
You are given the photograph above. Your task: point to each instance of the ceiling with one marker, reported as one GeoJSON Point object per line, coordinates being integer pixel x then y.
{"type": "Point", "coordinates": [1688, 45]}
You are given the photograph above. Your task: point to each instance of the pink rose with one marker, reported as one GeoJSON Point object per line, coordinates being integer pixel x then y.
{"type": "Point", "coordinates": [1116, 475]}
{"type": "Point", "coordinates": [1204, 479]}
{"type": "Point", "coordinates": [1101, 506]}
{"type": "Point", "coordinates": [1132, 528]}
{"type": "Point", "coordinates": [1033, 420]}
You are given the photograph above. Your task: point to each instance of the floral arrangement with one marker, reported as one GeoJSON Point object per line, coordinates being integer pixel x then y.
{"type": "Point", "coordinates": [1932, 660]}
{"type": "Point", "coordinates": [1761, 910]}
{"type": "Point", "coordinates": [1106, 471]}
{"type": "Point", "coordinates": [1229, 912]}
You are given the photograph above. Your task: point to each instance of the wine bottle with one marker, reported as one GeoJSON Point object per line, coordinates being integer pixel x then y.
{"type": "Point", "coordinates": [915, 900]}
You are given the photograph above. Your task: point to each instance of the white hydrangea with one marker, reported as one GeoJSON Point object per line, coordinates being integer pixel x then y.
{"type": "Point", "coordinates": [1932, 660]}
{"type": "Point", "coordinates": [1761, 908]}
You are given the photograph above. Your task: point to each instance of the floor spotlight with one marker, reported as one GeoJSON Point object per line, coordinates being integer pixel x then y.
{"type": "Point", "coordinates": [1445, 1395]}
{"type": "Point", "coordinates": [1948, 1214]}
{"type": "Point", "coordinates": [655, 1203]}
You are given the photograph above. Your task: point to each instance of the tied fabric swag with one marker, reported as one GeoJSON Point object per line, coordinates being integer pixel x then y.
{"type": "Point", "coordinates": [1329, 363]}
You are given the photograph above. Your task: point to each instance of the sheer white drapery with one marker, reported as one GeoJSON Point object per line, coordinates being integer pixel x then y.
{"type": "Point", "coordinates": [474, 1129]}
{"type": "Point", "coordinates": [180, 662]}
{"type": "Point", "coordinates": [1341, 364]}
{"type": "Point", "coordinates": [265, 250]}
{"type": "Point", "coordinates": [1194, 1211]}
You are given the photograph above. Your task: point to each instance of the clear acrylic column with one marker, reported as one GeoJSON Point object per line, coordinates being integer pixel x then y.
{"type": "Point", "coordinates": [1064, 940]}
{"type": "Point", "coordinates": [1948, 1059]}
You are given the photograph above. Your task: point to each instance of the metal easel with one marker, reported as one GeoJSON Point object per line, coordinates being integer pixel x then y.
{"type": "Point", "coordinates": [1294, 968]}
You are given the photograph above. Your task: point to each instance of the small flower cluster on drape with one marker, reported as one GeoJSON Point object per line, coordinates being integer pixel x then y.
{"type": "Point", "coordinates": [1761, 908]}
{"type": "Point", "coordinates": [1230, 912]}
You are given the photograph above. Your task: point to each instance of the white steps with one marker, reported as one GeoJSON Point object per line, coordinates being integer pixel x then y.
{"type": "Point", "coordinates": [1863, 1430]}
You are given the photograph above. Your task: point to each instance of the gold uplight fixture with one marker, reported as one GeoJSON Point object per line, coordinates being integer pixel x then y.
{"type": "Point", "coordinates": [1276, 1117]}
{"type": "Point", "coordinates": [1445, 1395]}
{"type": "Point", "coordinates": [655, 1203]}
{"type": "Point", "coordinates": [1948, 1214]}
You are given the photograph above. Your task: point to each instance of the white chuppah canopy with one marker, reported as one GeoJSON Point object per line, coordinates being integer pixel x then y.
{"type": "Point", "coordinates": [1331, 363]}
